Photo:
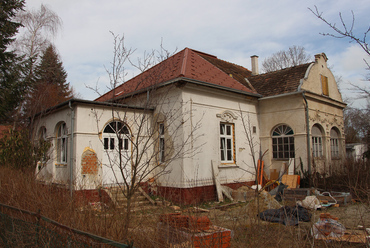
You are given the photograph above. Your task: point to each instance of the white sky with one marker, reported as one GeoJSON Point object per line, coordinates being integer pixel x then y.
{"type": "Point", "coordinates": [232, 30]}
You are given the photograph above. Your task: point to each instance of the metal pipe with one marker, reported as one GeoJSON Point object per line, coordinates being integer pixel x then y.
{"type": "Point", "coordinates": [71, 150]}
{"type": "Point", "coordinates": [308, 134]}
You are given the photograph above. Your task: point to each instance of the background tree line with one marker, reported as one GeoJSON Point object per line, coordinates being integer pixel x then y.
{"type": "Point", "coordinates": [32, 78]}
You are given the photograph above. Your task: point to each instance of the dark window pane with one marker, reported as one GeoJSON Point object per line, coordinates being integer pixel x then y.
{"type": "Point", "coordinates": [111, 143]}
{"type": "Point", "coordinates": [229, 155]}
{"type": "Point", "coordinates": [108, 129]}
{"type": "Point", "coordinates": [126, 144]}
{"type": "Point", "coordinates": [106, 143]}
{"type": "Point", "coordinates": [120, 144]}
{"type": "Point", "coordinates": [228, 130]}
{"type": "Point", "coordinates": [228, 143]}
{"type": "Point", "coordinates": [222, 128]}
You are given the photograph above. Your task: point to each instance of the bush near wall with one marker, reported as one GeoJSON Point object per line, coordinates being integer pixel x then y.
{"type": "Point", "coordinates": [18, 151]}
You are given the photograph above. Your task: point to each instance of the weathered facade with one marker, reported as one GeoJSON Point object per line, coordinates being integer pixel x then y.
{"type": "Point", "coordinates": [170, 124]}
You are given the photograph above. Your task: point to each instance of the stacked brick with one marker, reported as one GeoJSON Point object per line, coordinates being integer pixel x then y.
{"type": "Point", "coordinates": [194, 231]}
{"type": "Point", "coordinates": [89, 163]}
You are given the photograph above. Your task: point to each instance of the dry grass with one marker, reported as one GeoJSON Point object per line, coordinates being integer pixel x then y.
{"type": "Point", "coordinates": [20, 190]}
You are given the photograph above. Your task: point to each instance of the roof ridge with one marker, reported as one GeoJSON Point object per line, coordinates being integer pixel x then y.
{"type": "Point", "coordinates": [284, 69]}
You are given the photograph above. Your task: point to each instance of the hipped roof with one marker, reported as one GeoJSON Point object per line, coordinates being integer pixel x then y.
{"type": "Point", "coordinates": [190, 64]}
{"type": "Point", "coordinates": [187, 64]}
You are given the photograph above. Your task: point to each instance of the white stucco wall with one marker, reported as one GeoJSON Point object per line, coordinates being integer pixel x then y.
{"type": "Point", "coordinates": [89, 123]}
{"type": "Point", "coordinates": [204, 108]}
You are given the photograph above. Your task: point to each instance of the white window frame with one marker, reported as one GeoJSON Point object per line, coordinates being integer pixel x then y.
{"type": "Point", "coordinates": [42, 138]}
{"type": "Point", "coordinates": [227, 143]}
{"type": "Point", "coordinates": [317, 145]}
{"type": "Point", "coordinates": [334, 143]}
{"type": "Point", "coordinates": [62, 144]}
{"type": "Point", "coordinates": [162, 146]}
{"type": "Point", "coordinates": [283, 146]}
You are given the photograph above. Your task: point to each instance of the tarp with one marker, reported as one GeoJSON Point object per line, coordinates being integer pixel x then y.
{"type": "Point", "coordinates": [289, 216]}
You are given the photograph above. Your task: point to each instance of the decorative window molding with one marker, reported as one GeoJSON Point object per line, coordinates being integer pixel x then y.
{"type": "Point", "coordinates": [227, 116]}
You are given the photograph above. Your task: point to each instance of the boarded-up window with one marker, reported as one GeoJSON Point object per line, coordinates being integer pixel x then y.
{"type": "Point", "coordinates": [325, 87]}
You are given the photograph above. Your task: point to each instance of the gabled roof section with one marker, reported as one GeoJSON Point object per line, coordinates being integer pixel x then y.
{"type": "Point", "coordinates": [279, 82]}
{"type": "Point", "coordinates": [186, 64]}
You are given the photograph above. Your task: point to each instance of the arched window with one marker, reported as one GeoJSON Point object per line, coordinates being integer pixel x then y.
{"type": "Point", "coordinates": [62, 143]}
{"type": "Point", "coordinates": [316, 141]}
{"type": "Point", "coordinates": [283, 142]}
{"type": "Point", "coordinates": [334, 143]}
{"type": "Point", "coordinates": [42, 133]}
{"type": "Point", "coordinates": [42, 141]}
{"type": "Point", "coordinates": [119, 138]}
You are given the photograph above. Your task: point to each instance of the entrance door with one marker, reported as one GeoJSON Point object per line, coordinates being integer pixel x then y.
{"type": "Point", "coordinates": [117, 155]}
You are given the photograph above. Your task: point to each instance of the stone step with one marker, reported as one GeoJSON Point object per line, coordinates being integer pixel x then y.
{"type": "Point", "coordinates": [139, 200]}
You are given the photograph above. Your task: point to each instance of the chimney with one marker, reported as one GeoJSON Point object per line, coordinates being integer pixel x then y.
{"type": "Point", "coordinates": [254, 62]}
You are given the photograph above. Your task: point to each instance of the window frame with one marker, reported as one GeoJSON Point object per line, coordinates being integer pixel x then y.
{"type": "Point", "coordinates": [317, 142]}
{"type": "Point", "coordinates": [325, 85]}
{"type": "Point", "coordinates": [334, 144]}
{"type": "Point", "coordinates": [42, 138]}
{"type": "Point", "coordinates": [162, 144]}
{"type": "Point", "coordinates": [116, 130]}
{"type": "Point", "coordinates": [62, 144]}
{"type": "Point", "coordinates": [227, 143]}
{"type": "Point", "coordinates": [283, 142]}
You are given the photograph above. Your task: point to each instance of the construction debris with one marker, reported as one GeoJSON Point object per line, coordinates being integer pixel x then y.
{"type": "Point", "coordinates": [263, 202]}
{"type": "Point", "coordinates": [178, 230]}
{"type": "Point", "coordinates": [328, 228]}
{"type": "Point", "coordinates": [289, 216]}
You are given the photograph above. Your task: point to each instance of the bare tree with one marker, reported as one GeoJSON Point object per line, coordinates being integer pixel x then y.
{"type": "Point", "coordinates": [295, 55]}
{"type": "Point", "coordinates": [147, 131]}
{"type": "Point", "coordinates": [346, 30]}
{"type": "Point", "coordinates": [40, 26]}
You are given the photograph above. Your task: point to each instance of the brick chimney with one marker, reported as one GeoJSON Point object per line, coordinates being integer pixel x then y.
{"type": "Point", "coordinates": [254, 62]}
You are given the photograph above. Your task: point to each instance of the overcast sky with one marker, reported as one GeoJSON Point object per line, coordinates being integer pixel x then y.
{"type": "Point", "coordinates": [232, 30]}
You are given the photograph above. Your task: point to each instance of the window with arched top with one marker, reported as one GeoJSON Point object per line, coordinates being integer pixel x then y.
{"type": "Point", "coordinates": [41, 142]}
{"type": "Point", "coordinates": [62, 143]}
{"type": "Point", "coordinates": [334, 143]}
{"type": "Point", "coordinates": [117, 136]}
{"type": "Point", "coordinates": [283, 142]}
{"type": "Point", "coordinates": [42, 133]}
{"type": "Point", "coordinates": [316, 137]}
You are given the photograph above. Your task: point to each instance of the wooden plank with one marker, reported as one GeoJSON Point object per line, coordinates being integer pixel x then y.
{"type": "Point", "coordinates": [215, 172]}
{"type": "Point", "coordinates": [290, 180]}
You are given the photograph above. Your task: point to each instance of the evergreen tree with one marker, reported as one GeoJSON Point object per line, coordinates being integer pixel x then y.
{"type": "Point", "coordinates": [51, 87]}
{"type": "Point", "coordinates": [11, 83]}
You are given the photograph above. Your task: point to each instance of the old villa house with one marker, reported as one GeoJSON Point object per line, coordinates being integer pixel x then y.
{"type": "Point", "coordinates": [171, 123]}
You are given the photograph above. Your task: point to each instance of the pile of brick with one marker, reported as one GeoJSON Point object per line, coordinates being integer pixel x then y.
{"type": "Point", "coordinates": [176, 229]}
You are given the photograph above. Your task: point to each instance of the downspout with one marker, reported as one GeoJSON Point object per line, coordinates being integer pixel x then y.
{"type": "Point", "coordinates": [308, 134]}
{"type": "Point", "coordinates": [71, 150]}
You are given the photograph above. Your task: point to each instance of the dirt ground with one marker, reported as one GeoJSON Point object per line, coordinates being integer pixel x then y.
{"type": "Point", "coordinates": [250, 231]}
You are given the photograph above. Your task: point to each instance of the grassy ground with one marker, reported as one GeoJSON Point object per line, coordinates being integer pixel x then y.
{"type": "Point", "coordinates": [20, 190]}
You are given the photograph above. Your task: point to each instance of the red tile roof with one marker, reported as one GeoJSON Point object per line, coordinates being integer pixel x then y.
{"type": "Point", "coordinates": [279, 82]}
{"type": "Point", "coordinates": [189, 64]}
